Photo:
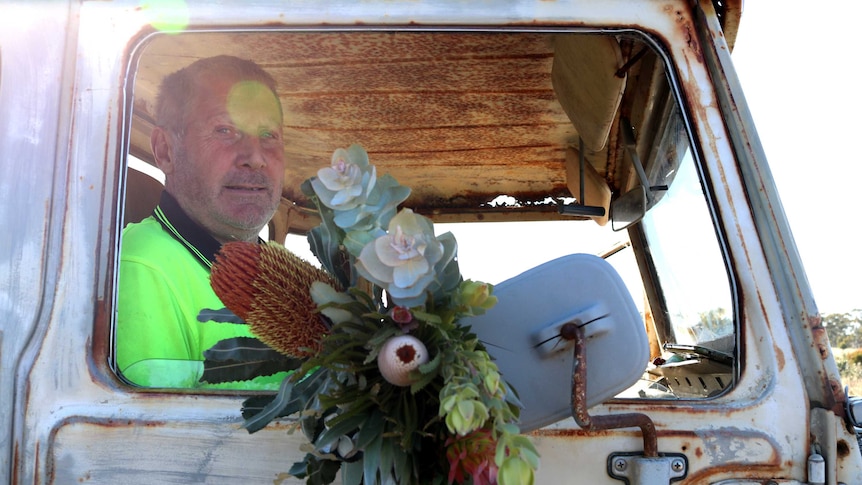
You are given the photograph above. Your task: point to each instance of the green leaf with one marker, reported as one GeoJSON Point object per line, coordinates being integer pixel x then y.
{"type": "Point", "coordinates": [290, 399]}
{"type": "Point", "coordinates": [339, 428]}
{"type": "Point", "coordinates": [300, 468]}
{"type": "Point", "coordinates": [243, 358]}
{"type": "Point", "coordinates": [401, 466]}
{"type": "Point", "coordinates": [387, 456]}
{"type": "Point", "coordinates": [372, 428]}
{"type": "Point", "coordinates": [354, 241]}
{"type": "Point", "coordinates": [431, 366]}
{"type": "Point", "coordinates": [426, 317]}
{"type": "Point", "coordinates": [322, 472]}
{"type": "Point", "coordinates": [371, 460]}
{"type": "Point", "coordinates": [279, 406]}
{"type": "Point", "coordinates": [311, 426]}
{"type": "Point", "coordinates": [222, 315]}
{"type": "Point", "coordinates": [351, 473]}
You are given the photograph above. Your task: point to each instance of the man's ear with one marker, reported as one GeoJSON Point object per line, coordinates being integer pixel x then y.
{"type": "Point", "coordinates": [163, 151]}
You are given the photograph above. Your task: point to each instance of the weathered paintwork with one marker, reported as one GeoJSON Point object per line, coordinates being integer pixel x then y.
{"type": "Point", "coordinates": [63, 129]}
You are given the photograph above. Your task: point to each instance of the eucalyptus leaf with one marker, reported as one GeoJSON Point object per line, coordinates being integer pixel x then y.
{"type": "Point", "coordinates": [354, 241]}
{"type": "Point", "coordinates": [349, 219]}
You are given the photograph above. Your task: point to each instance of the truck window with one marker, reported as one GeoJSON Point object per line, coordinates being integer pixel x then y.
{"type": "Point", "coordinates": [520, 143]}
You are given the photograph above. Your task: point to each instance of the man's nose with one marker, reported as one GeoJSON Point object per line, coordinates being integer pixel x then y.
{"type": "Point", "coordinates": [251, 152]}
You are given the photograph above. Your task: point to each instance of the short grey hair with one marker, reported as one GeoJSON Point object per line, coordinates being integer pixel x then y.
{"type": "Point", "coordinates": [178, 89]}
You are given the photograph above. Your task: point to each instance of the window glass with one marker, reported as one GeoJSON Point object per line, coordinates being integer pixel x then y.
{"type": "Point", "coordinates": [510, 140]}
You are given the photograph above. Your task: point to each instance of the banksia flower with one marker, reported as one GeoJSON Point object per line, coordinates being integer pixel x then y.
{"type": "Point", "coordinates": [269, 287]}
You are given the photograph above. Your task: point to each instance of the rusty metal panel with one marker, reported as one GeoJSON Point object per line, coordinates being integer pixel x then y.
{"type": "Point", "coordinates": [32, 187]}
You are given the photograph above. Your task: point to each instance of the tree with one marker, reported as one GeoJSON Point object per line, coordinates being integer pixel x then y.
{"type": "Point", "coordinates": [844, 329]}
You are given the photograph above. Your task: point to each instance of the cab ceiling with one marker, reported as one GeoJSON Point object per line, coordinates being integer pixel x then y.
{"type": "Point", "coordinates": [461, 118]}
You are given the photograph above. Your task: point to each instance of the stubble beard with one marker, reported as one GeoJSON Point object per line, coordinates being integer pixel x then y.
{"type": "Point", "coordinates": [242, 221]}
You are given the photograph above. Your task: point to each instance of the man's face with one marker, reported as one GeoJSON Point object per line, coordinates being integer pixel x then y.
{"type": "Point", "coordinates": [228, 168]}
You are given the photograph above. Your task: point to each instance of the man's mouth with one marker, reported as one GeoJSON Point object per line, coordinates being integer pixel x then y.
{"type": "Point", "coordinates": [246, 188]}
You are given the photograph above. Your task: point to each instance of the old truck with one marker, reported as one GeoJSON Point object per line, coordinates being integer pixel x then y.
{"type": "Point", "coordinates": [532, 129]}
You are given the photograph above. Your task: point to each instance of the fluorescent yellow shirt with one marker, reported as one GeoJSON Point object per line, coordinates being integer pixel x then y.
{"type": "Point", "coordinates": [163, 285]}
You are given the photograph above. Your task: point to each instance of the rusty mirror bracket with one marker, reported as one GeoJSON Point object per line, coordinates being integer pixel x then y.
{"type": "Point", "coordinates": [651, 467]}
{"type": "Point", "coordinates": [581, 208]}
{"type": "Point", "coordinates": [633, 205]}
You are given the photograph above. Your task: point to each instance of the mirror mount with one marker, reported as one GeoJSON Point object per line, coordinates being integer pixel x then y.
{"type": "Point", "coordinates": [580, 411]}
{"type": "Point", "coordinates": [632, 205]}
{"type": "Point", "coordinates": [631, 467]}
{"type": "Point", "coordinates": [597, 186]}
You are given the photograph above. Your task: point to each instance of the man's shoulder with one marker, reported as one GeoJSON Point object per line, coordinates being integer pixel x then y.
{"type": "Point", "coordinates": [147, 239]}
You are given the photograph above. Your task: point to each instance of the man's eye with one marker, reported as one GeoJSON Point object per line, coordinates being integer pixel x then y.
{"type": "Point", "coordinates": [225, 130]}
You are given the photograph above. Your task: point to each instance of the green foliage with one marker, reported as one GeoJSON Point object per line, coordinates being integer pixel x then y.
{"type": "Point", "coordinates": [844, 329]}
{"type": "Point", "coordinates": [420, 429]}
{"type": "Point", "coordinates": [854, 357]}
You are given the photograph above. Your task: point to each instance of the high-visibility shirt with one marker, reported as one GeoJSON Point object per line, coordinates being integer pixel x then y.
{"type": "Point", "coordinates": [164, 284]}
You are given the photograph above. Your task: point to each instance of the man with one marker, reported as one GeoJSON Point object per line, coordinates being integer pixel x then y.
{"type": "Point", "coordinates": [218, 140]}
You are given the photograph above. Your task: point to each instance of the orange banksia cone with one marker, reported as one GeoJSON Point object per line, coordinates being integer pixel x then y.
{"type": "Point", "coordinates": [269, 287]}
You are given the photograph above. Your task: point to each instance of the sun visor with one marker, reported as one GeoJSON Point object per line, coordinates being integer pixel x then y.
{"type": "Point", "coordinates": [586, 82]}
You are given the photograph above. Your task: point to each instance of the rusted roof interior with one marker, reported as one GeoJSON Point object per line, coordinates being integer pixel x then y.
{"type": "Point", "coordinates": [461, 118]}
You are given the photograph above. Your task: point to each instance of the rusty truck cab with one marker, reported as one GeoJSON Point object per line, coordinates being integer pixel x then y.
{"type": "Point", "coordinates": [531, 130]}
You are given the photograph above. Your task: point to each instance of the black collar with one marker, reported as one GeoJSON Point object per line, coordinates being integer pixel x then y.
{"type": "Point", "coordinates": [179, 225]}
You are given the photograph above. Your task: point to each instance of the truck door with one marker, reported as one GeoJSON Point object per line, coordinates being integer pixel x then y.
{"type": "Point", "coordinates": [532, 130]}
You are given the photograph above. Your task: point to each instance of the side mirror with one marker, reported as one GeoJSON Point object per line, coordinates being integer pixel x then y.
{"type": "Point", "coordinates": [525, 334]}
{"type": "Point", "coordinates": [629, 208]}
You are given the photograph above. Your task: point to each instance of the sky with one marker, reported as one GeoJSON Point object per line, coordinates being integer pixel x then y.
{"type": "Point", "coordinates": [797, 68]}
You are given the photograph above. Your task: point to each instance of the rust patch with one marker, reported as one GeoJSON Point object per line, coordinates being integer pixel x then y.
{"type": "Point", "coordinates": [683, 20]}
{"type": "Point", "coordinates": [36, 467]}
{"type": "Point", "coordinates": [843, 449]}
{"type": "Point", "coordinates": [779, 357]}
{"type": "Point", "coordinates": [16, 462]}
{"type": "Point", "coordinates": [758, 472]}
{"type": "Point", "coordinates": [819, 335]}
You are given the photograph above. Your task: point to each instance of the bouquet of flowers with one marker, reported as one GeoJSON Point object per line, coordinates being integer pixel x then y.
{"type": "Point", "coordinates": [388, 384]}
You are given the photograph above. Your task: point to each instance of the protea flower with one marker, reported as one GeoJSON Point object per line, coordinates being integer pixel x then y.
{"type": "Point", "coordinates": [399, 356]}
{"type": "Point", "coordinates": [269, 287]}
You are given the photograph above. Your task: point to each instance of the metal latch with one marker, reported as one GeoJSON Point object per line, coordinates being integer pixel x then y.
{"type": "Point", "coordinates": [637, 469]}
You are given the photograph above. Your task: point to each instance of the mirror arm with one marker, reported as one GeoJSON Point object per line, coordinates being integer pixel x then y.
{"type": "Point", "coordinates": [580, 208]}
{"type": "Point", "coordinates": [631, 147]}
{"type": "Point", "coordinates": [582, 416]}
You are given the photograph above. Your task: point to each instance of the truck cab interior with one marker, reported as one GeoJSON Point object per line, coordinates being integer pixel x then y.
{"type": "Point", "coordinates": [526, 144]}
